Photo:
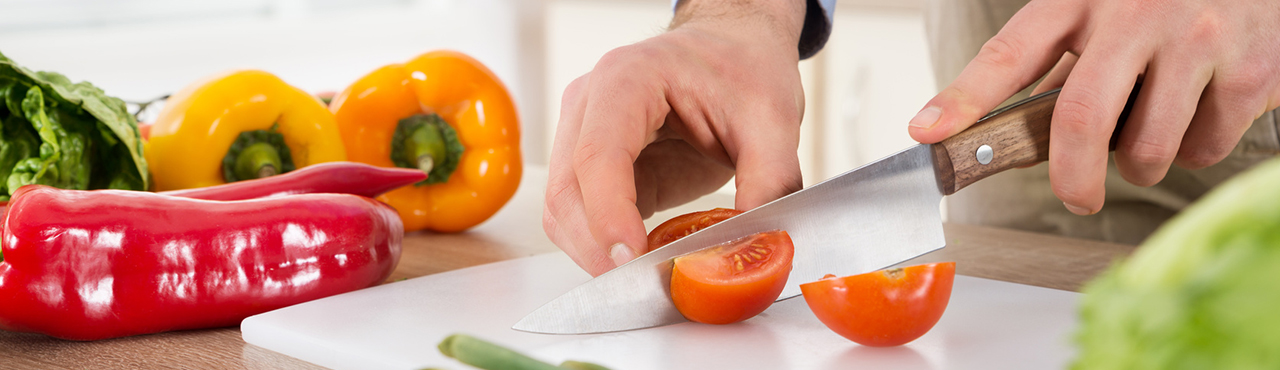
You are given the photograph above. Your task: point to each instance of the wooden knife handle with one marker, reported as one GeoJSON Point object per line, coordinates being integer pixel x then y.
{"type": "Point", "coordinates": [1010, 137]}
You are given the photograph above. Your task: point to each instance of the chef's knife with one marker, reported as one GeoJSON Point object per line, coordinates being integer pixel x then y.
{"type": "Point", "coordinates": [864, 220]}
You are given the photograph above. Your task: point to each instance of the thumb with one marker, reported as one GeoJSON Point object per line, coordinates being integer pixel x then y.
{"type": "Point", "coordinates": [1024, 49]}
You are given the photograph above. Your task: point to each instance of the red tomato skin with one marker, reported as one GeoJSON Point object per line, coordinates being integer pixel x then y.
{"type": "Point", "coordinates": [734, 299]}
{"type": "Point", "coordinates": [683, 225]}
{"type": "Point", "coordinates": [879, 310]}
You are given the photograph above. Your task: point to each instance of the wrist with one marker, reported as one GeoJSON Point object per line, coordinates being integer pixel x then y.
{"type": "Point", "coordinates": [778, 21]}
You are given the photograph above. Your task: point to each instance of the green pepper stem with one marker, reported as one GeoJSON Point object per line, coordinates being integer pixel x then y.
{"type": "Point", "coordinates": [425, 147]}
{"type": "Point", "coordinates": [426, 163]}
{"type": "Point", "coordinates": [257, 161]}
{"type": "Point", "coordinates": [429, 144]}
{"type": "Point", "coordinates": [257, 154]}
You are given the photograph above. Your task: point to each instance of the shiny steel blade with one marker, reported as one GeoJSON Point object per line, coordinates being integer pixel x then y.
{"type": "Point", "coordinates": [863, 220]}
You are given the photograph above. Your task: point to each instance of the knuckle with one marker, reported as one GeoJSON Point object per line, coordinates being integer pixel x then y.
{"type": "Point", "coordinates": [1207, 29]}
{"type": "Point", "coordinates": [1202, 156]}
{"type": "Point", "coordinates": [1001, 52]}
{"type": "Point", "coordinates": [588, 154]}
{"type": "Point", "coordinates": [559, 193]}
{"type": "Point", "coordinates": [573, 92]}
{"type": "Point", "coordinates": [1147, 153]}
{"type": "Point", "coordinates": [1249, 79]}
{"type": "Point", "coordinates": [629, 57]}
{"type": "Point", "coordinates": [1078, 113]}
{"type": "Point", "coordinates": [617, 57]}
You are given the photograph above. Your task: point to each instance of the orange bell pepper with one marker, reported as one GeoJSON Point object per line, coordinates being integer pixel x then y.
{"type": "Point", "coordinates": [444, 113]}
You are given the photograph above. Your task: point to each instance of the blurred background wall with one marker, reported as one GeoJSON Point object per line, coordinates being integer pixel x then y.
{"type": "Point", "coordinates": [860, 91]}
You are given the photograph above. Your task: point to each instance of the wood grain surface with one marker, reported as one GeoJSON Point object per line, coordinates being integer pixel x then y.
{"type": "Point", "coordinates": [1018, 137]}
{"type": "Point", "coordinates": [1019, 257]}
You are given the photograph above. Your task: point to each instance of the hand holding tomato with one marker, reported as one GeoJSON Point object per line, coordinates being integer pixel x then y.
{"type": "Point", "coordinates": [672, 118]}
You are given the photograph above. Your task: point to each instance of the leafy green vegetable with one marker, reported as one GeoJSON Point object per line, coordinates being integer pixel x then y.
{"type": "Point", "coordinates": [15, 145]}
{"type": "Point", "coordinates": [1201, 293]}
{"type": "Point", "coordinates": [68, 135]}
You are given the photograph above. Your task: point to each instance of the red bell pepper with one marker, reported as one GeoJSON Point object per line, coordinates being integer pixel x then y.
{"type": "Point", "coordinates": [329, 177]}
{"type": "Point", "coordinates": [86, 265]}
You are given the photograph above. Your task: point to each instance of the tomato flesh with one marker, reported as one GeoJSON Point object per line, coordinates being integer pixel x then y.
{"type": "Point", "coordinates": [734, 281]}
{"type": "Point", "coordinates": [883, 308]}
{"type": "Point", "coordinates": [689, 223]}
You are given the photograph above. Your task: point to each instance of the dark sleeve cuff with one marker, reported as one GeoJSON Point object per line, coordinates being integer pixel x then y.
{"type": "Point", "coordinates": [817, 28]}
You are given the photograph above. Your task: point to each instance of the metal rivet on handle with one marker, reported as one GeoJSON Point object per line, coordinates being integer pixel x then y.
{"type": "Point", "coordinates": [985, 154]}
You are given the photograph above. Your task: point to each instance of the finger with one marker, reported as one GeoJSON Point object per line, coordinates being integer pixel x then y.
{"type": "Point", "coordinates": [1084, 117]}
{"type": "Point", "coordinates": [672, 172]}
{"type": "Point", "coordinates": [564, 218]}
{"type": "Point", "coordinates": [616, 126]}
{"type": "Point", "coordinates": [1055, 79]}
{"type": "Point", "coordinates": [765, 155]}
{"type": "Point", "coordinates": [1058, 75]}
{"type": "Point", "coordinates": [1028, 45]}
{"type": "Point", "coordinates": [1159, 119]}
{"type": "Point", "coordinates": [1227, 109]}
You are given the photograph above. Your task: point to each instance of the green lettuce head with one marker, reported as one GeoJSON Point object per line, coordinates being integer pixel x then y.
{"type": "Point", "coordinates": [63, 134]}
{"type": "Point", "coordinates": [1202, 293]}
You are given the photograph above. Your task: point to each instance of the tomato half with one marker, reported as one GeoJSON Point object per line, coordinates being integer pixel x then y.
{"type": "Point", "coordinates": [883, 308]}
{"type": "Point", "coordinates": [683, 225]}
{"type": "Point", "coordinates": [734, 281]}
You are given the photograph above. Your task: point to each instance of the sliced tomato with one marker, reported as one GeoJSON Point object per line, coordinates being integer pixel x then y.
{"type": "Point", "coordinates": [734, 281]}
{"type": "Point", "coordinates": [883, 308]}
{"type": "Point", "coordinates": [683, 225]}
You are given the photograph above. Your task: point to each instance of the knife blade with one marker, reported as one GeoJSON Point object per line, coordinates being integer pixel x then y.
{"type": "Point", "coordinates": [864, 220]}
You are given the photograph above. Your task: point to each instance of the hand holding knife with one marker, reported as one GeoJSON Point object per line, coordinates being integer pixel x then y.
{"type": "Point", "coordinates": [864, 220]}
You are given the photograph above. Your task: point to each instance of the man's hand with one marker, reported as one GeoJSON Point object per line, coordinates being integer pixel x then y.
{"type": "Point", "coordinates": [1208, 69]}
{"type": "Point", "coordinates": [669, 119]}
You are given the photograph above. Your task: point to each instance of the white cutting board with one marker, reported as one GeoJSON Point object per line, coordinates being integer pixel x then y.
{"type": "Point", "coordinates": [988, 325]}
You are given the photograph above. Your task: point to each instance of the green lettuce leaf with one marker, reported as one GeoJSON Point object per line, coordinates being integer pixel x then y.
{"type": "Point", "coordinates": [1200, 293]}
{"type": "Point", "coordinates": [85, 139]}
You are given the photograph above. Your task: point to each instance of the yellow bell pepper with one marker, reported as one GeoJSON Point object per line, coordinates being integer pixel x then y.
{"type": "Point", "coordinates": [444, 113]}
{"type": "Point", "coordinates": [236, 126]}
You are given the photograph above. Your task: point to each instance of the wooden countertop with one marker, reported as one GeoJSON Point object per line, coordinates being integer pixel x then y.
{"type": "Point", "coordinates": [516, 231]}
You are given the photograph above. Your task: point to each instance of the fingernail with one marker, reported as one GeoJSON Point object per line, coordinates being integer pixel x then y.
{"type": "Point", "coordinates": [1077, 210]}
{"type": "Point", "coordinates": [926, 118]}
{"type": "Point", "coordinates": [621, 254]}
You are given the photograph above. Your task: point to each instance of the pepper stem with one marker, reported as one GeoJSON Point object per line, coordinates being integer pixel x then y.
{"type": "Point", "coordinates": [256, 154]}
{"type": "Point", "coordinates": [429, 144]}
{"type": "Point", "coordinates": [426, 163]}
{"type": "Point", "coordinates": [257, 161]}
